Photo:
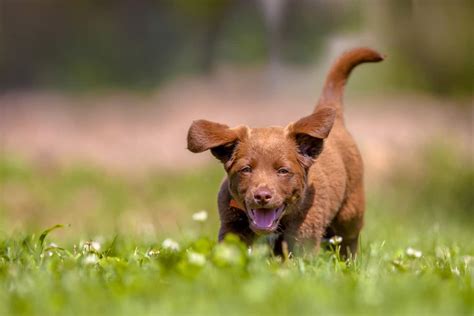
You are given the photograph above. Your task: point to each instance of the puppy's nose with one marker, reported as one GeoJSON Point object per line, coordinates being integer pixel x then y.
{"type": "Point", "coordinates": [262, 196]}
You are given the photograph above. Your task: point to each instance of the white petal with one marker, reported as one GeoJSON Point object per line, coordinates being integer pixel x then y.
{"type": "Point", "coordinates": [200, 216]}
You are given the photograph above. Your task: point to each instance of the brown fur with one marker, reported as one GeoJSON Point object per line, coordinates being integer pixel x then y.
{"type": "Point", "coordinates": [311, 166]}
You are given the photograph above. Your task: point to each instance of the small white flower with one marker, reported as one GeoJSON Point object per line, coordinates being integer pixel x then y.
{"type": "Point", "coordinates": [413, 253]}
{"type": "Point", "coordinates": [86, 246]}
{"type": "Point", "coordinates": [200, 216]}
{"type": "Point", "coordinates": [467, 259]}
{"type": "Point", "coordinates": [455, 271]}
{"type": "Point", "coordinates": [91, 259]}
{"type": "Point", "coordinates": [52, 245]}
{"type": "Point", "coordinates": [152, 252]}
{"type": "Point", "coordinates": [95, 245]}
{"type": "Point", "coordinates": [90, 246]}
{"type": "Point", "coordinates": [335, 240]}
{"type": "Point", "coordinates": [196, 258]}
{"type": "Point", "coordinates": [170, 244]}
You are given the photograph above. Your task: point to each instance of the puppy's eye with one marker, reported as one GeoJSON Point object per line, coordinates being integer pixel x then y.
{"type": "Point", "coordinates": [246, 169]}
{"type": "Point", "coordinates": [283, 171]}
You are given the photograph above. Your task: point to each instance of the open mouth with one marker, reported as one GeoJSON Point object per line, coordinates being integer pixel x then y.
{"type": "Point", "coordinates": [265, 220]}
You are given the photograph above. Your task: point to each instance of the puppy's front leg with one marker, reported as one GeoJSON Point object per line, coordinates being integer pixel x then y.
{"type": "Point", "coordinates": [303, 235]}
{"type": "Point", "coordinates": [300, 245]}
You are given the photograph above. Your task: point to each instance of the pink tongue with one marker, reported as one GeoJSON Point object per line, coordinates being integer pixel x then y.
{"type": "Point", "coordinates": [264, 218]}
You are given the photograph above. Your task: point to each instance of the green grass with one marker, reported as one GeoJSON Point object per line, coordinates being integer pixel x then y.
{"type": "Point", "coordinates": [416, 255]}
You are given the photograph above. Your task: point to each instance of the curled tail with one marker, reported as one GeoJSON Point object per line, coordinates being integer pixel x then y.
{"type": "Point", "coordinates": [334, 86]}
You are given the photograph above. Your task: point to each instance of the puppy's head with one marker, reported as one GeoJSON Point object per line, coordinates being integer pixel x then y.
{"type": "Point", "coordinates": [266, 167]}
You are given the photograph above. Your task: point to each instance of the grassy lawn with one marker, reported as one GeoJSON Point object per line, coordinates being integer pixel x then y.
{"type": "Point", "coordinates": [129, 246]}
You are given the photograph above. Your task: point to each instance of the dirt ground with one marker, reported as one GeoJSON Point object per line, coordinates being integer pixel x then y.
{"type": "Point", "coordinates": [133, 133]}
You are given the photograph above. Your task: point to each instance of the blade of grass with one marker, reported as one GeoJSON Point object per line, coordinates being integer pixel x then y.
{"type": "Point", "coordinates": [46, 232]}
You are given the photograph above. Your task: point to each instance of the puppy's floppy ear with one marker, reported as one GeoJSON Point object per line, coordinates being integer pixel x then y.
{"type": "Point", "coordinates": [219, 138]}
{"type": "Point", "coordinates": [310, 131]}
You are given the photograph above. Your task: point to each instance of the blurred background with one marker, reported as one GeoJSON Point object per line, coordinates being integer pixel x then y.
{"type": "Point", "coordinates": [96, 98]}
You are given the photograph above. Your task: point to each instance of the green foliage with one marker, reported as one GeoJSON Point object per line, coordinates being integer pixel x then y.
{"type": "Point", "coordinates": [440, 184]}
{"type": "Point", "coordinates": [450, 180]}
{"type": "Point", "coordinates": [435, 42]}
{"type": "Point", "coordinates": [90, 45]}
{"type": "Point", "coordinates": [202, 278]}
{"type": "Point", "coordinates": [92, 200]}
{"type": "Point", "coordinates": [87, 45]}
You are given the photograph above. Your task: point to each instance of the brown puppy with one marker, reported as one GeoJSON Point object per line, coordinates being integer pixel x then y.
{"type": "Point", "coordinates": [302, 182]}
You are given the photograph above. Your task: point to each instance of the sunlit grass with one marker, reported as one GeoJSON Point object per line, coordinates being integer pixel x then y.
{"type": "Point", "coordinates": [123, 275]}
{"type": "Point", "coordinates": [147, 247]}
